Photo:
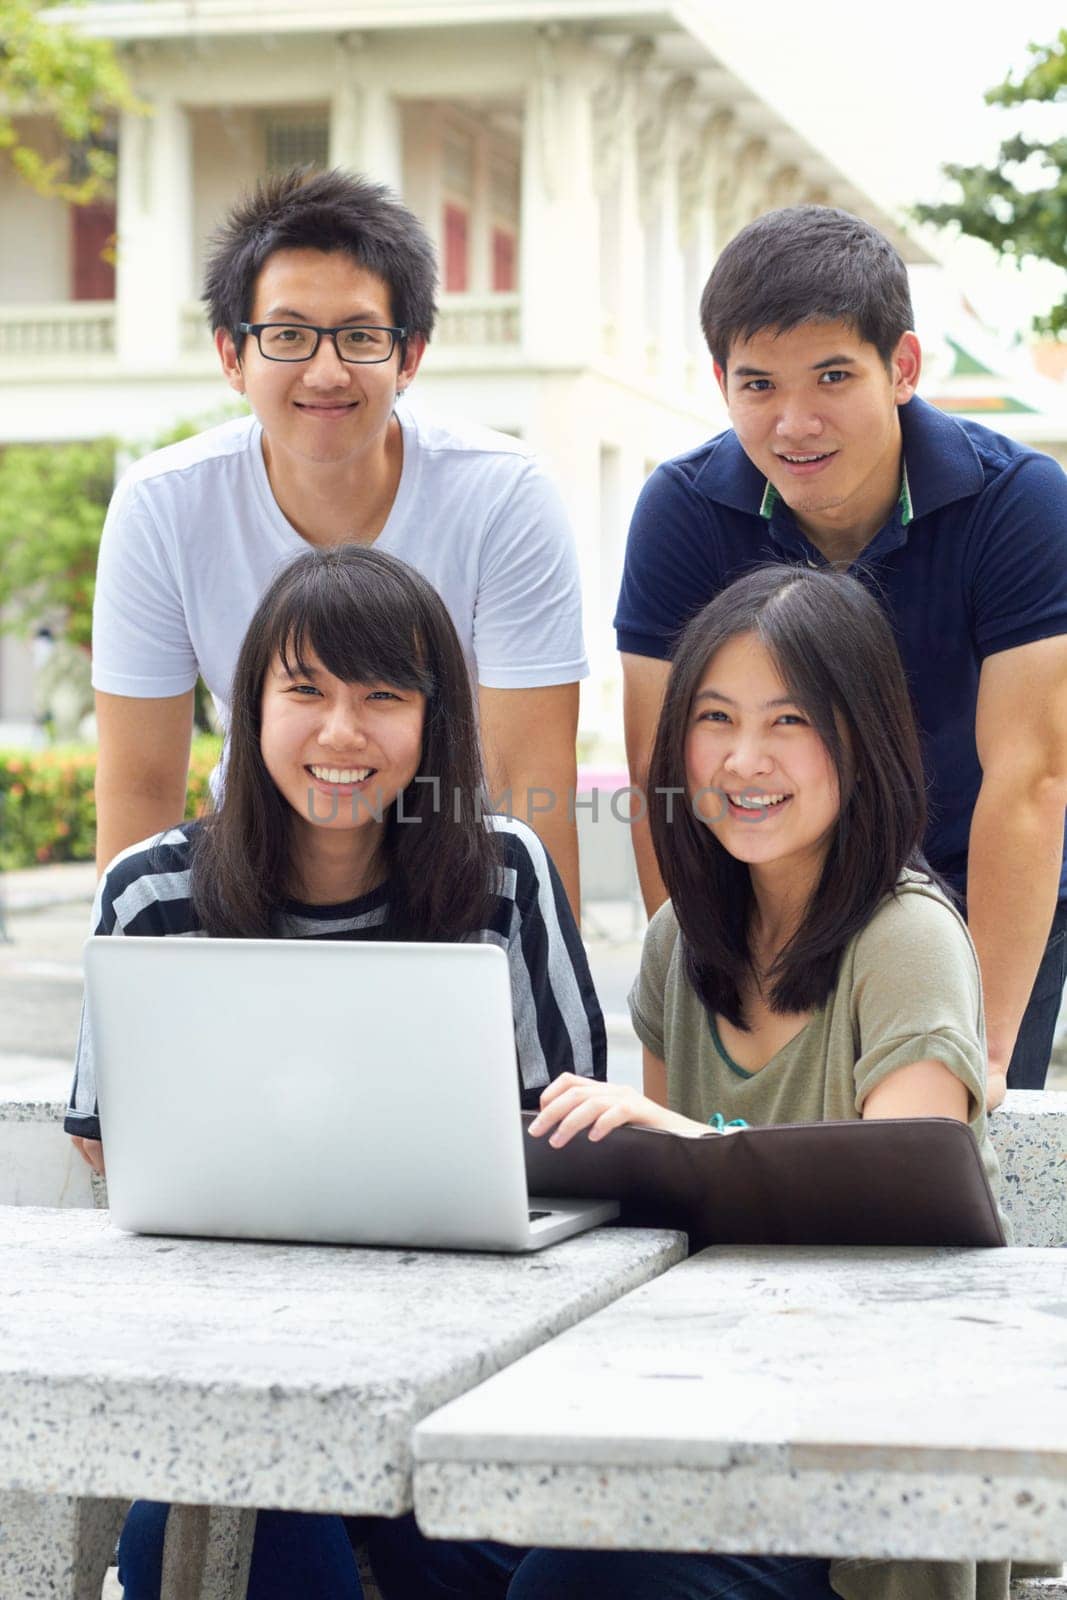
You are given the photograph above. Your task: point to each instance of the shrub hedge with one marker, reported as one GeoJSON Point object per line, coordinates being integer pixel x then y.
{"type": "Point", "coordinates": [47, 812]}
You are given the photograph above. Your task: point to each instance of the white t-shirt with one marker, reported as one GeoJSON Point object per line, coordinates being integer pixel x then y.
{"type": "Point", "coordinates": [194, 536]}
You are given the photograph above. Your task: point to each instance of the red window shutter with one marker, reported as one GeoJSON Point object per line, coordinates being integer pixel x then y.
{"type": "Point", "coordinates": [457, 229]}
{"type": "Point", "coordinates": [92, 233]}
{"type": "Point", "coordinates": [503, 261]}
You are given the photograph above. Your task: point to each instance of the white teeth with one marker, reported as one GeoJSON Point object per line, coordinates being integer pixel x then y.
{"type": "Point", "coordinates": [800, 460]}
{"type": "Point", "coordinates": [341, 774]}
{"type": "Point", "coordinates": [758, 802]}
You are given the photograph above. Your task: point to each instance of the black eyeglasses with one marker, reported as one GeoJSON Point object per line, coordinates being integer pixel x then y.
{"type": "Point", "coordinates": [298, 341]}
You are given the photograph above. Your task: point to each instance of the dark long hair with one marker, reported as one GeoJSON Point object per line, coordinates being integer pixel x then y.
{"type": "Point", "coordinates": [370, 619]}
{"type": "Point", "coordinates": [833, 646]}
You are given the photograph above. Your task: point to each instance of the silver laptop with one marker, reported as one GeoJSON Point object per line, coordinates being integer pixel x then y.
{"type": "Point", "coordinates": [340, 1092]}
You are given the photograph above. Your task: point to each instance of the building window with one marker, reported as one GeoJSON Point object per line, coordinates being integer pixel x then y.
{"type": "Point", "coordinates": [504, 214]}
{"type": "Point", "coordinates": [298, 141]}
{"type": "Point", "coordinates": [504, 187]}
{"type": "Point", "coordinates": [457, 162]}
{"type": "Point", "coordinates": [92, 253]}
{"type": "Point", "coordinates": [504, 278]}
{"type": "Point", "coordinates": [457, 249]}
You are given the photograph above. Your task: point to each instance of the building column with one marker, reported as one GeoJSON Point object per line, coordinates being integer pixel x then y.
{"type": "Point", "coordinates": [664, 135]}
{"type": "Point", "coordinates": [559, 251]}
{"type": "Point", "coordinates": [702, 172]}
{"type": "Point", "coordinates": [747, 194]}
{"type": "Point", "coordinates": [622, 262]}
{"type": "Point", "coordinates": [785, 187]}
{"type": "Point", "coordinates": [365, 126]}
{"type": "Point", "coordinates": [154, 271]}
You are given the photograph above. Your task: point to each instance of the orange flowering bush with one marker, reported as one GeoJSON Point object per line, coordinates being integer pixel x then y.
{"type": "Point", "coordinates": [47, 812]}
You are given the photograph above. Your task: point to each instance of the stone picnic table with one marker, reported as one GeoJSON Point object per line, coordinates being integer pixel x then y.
{"type": "Point", "coordinates": [907, 1403]}
{"type": "Point", "coordinates": [222, 1374]}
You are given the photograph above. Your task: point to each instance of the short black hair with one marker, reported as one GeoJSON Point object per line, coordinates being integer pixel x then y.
{"type": "Point", "coordinates": [328, 211]}
{"type": "Point", "coordinates": [807, 264]}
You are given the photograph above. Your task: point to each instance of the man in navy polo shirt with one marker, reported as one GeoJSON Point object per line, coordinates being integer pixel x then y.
{"type": "Point", "coordinates": [962, 535]}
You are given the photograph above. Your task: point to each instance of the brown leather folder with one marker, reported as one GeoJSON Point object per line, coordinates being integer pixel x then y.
{"type": "Point", "coordinates": [903, 1181]}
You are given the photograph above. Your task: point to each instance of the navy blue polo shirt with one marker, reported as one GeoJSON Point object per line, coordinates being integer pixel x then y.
{"type": "Point", "coordinates": [972, 561]}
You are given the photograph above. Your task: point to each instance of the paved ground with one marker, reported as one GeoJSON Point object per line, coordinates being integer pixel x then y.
{"type": "Point", "coordinates": [47, 916]}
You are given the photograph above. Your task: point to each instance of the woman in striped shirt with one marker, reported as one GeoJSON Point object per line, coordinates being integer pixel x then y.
{"type": "Point", "coordinates": [354, 808]}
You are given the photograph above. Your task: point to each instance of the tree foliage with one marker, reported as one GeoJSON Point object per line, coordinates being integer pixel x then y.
{"type": "Point", "coordinates": [1019, 205]}
{"type": "Point", "coordinates": [50, 69]}
{"type": "Point", "coordinates": [53, 499]}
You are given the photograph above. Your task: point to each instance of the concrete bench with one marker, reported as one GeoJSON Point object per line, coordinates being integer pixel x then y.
{"type": "Point", "coordinates": [73, 1538]}
{"type": "Point", "coordinates": [729, 1406]}
{"type": "Point", "coordinates": [68, 1542]}
{"type": "Point", "coordinates": [1029, 1132]}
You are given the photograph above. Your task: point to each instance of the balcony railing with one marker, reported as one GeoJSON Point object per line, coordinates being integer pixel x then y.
{"type": "Point", "coordinates": [478, 319]}
{"type": "Point", "coordinates": [465, 320]}
{"type": "Point", "coordinates": [56, 332]}
{"type": "Point", "coordinates": [44, 332]}
{"type": "Point", "coordinates": [195, 333]}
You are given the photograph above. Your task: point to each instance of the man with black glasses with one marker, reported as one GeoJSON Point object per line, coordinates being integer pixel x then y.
{"type": "Point", "coordinates": [321, 294]}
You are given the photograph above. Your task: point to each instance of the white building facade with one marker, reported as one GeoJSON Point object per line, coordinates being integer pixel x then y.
{"type": "Point", "coordinates": [579, 166]}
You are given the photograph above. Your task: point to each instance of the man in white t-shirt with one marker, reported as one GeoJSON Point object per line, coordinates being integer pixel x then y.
{"type": "Point", "coordinates": [321, 293]}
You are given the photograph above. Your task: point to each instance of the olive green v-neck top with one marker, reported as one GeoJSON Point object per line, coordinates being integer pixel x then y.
{"type": "Point", "coordinates": [908, 990]}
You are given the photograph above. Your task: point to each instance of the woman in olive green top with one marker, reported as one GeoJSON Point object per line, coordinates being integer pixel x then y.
{"type": "Point", "coordinates": [807, 967]}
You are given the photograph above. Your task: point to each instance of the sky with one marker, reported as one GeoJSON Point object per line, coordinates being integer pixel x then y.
{"type": "Point", "coordinates": [891, 92]}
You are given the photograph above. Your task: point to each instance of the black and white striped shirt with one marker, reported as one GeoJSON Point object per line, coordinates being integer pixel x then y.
{"type": "Point", "coordinates": [558, 1022]}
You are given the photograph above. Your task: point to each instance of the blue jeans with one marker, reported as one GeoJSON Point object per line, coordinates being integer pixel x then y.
{"type": "Point", "coordinates": [411, 1567]}
{"type": "Point", "coordinates": [295, 1556]}
{"type": "Point", "coordinates": [1029, 1061]}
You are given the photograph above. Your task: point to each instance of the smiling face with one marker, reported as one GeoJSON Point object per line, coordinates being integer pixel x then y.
{"type": "Point", "coordinates": [340, 753]}
{"type": "Point", "coordinates": [324, 411]}
{"type": "Point", "coordinates": [815, 410]}
{"type": "Point", "coordinates": [757, 772]}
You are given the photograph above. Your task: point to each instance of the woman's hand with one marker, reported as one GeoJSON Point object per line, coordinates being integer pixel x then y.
{"type": "Point", "coordinates": [571, 1103]}
{"type": "Point", "coordinates": [90, 1150]}
{"type": "Point", "coordinates": [996, 1084]}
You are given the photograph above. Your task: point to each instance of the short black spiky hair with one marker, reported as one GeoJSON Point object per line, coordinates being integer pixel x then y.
{"type": "Point", "coordinates": [807, 264]}
{"type": "Point", "coordinates": [329, 211]}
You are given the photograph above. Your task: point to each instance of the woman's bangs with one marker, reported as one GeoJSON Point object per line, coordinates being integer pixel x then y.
{"type": "Point", "coordinates": [354, 648]}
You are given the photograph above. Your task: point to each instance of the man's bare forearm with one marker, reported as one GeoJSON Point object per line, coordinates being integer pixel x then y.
{"type": "Point", "coordinates": [531, 766]}
{"type": "Point", "coordinates": [644, 685]}
{"type": "Point", "coordinates": [142, 769]}
{"type": "Point", "coordinates": [548, 807]}
{"type": "Point", "coordinates": [1013, 876]}
{"type": "Point", "coordinates": [125, 816]}
{"type": "Point", "coordinates": [559, 835]}
{"type": "Point", "coordinates": [653, 892]}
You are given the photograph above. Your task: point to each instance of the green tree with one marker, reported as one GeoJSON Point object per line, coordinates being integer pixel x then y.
{"type": "Point", "coordinates": [51, 70]}
{"type": "Point", "coordinates": [1028, 220]}
{"type": "Point", "coordinates": [53, 499]}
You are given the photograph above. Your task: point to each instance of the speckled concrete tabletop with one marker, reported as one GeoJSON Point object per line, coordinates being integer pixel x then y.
{"type": "Point", "coordinates": [261, 1374]}
{"type": "Point", "coordinates": [897, 1403]}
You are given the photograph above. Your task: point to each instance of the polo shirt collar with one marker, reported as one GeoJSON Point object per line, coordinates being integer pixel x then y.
{"type": "Point", "coordinates": [771, 498]}
{"type": "Point", "coordinates": [941, 465]}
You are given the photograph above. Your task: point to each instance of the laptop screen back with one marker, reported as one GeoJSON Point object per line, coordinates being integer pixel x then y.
{"type": "Point", "coordinates": [320, 1091]}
